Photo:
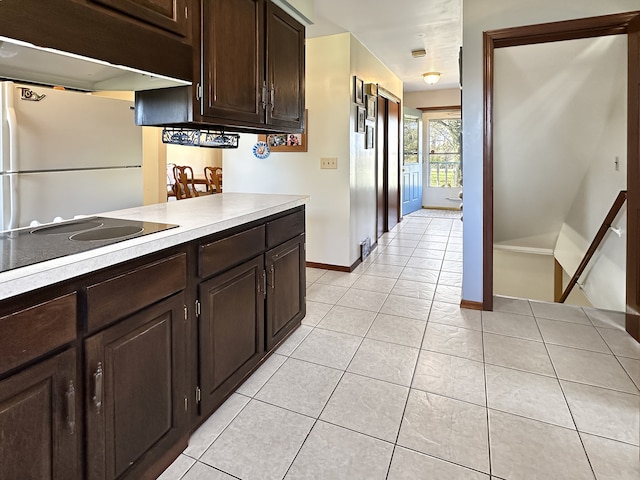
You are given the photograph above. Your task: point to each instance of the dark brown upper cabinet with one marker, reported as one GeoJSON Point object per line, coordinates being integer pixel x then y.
{"type": "Point", "coordinates": [249, 77]}
{"type": "Point", "coordinates": [170, 15]}
{"type": "Point", "coordinates": [252, 63]}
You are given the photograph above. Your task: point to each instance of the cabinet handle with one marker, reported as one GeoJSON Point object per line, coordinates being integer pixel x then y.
{"type": "Point", "coordinates": [97, 381]}
{"type": "Point", "coordinates": [70, 396]}
{"type": "Point", "coordinates": [272, 272]}
{"type": "Point", "coordinates": [264, 95]}
{"type": "Point", "coordinates": [264, 284]}
{"type": "Point", "coordinates": [273, 97]}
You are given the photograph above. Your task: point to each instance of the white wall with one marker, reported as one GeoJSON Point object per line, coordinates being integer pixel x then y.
{"type": "Point", "coordinates": [341, 210]}
{"type": "Point", "coordinates": [446, 97]}
{"type": "Point", "coordinates": [479, 17]}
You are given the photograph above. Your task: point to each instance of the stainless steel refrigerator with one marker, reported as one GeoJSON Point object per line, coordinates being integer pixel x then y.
{"type": "Point", "coordinates": [64, 154]}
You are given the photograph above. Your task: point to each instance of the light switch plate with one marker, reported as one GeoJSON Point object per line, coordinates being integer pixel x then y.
{"type": "Point", "coordinates": [330, 162]}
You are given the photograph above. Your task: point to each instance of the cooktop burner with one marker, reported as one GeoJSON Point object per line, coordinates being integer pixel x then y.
{"type": "Point", "coordinates": [27, 246]}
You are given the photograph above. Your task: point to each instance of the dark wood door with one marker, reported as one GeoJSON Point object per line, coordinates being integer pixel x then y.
{"type": "Point", "coordinates": [136, 390]}
{"type": "Point", "coordinates": [231, 330]}
{"type": "Point", "coordinates": [167, 14]}
{"type": "Point", "coordinates": [285, 69]}
{"type": "Point", "coordinates": [39, 421]}
{"type": "Point", "coordinates": [633, 181]}
{"type": "Point", "coordinates": [381, 169]}
{"type": "Point", "coordinates": [286, 287]}
{"type": "Point", "coordinates": [233, 60]}
{"type": "Point", "coordinates": [393, 163]}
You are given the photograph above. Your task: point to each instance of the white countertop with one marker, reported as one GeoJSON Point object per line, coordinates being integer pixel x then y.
{"type": "Point", "coordinates": [196, 217]}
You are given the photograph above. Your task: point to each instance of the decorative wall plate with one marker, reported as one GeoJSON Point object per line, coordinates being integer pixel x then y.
{"type": "Point", "coordinates": [261, 150]}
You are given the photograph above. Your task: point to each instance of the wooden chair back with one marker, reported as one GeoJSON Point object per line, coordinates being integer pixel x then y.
{"type": "Point", "coordinates": [214, 178]}
{"type": "Point", "coordinates": [184, 186]}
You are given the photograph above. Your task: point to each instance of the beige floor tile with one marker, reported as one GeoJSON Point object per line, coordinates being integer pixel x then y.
{"type": "Point", "coordinates": [451, 314]}
{"type": "Point", "coordinates": [612, 460]}
{"type": "Point", "coordinates": [510, 324]}
{"type": "Point", "coordinates": [178, 468]}
{"type": "Point", "coordinates": [334, 453]}
{"type": "Point", "coordinates": [419, 275]}
{"type": "Point", "coordinates": [602, 412]}
{"type": "Point", "coordinates": [328, 348]}
{"type": "Point", "coordinates": [409, 288]}
{"type": "Point", "coordinates": [558, 311]}
{"type": "Point", "coordinates": [338, 279]}
{"type": "Point", "coordinates": [605, 318]}
{"type": "Point", "coordinates": [295, 339]}
{"type": "Point", "coordinates": [522, 448]}
{"type": "Point", "coordinates": [368, 406]}
{"type": "Point", "coordinates": [517, 353]}
{"type": "Point", "coordinates": [451, 340]}
{"type": "Point", "coordinates": [574, 335]}
{"type": "Point", "coordinates": [385, 361]}
{"type": "Point", "coordinates": [409, 465]}
{"type": "Point", "coordinates": [445, 428]}
{"type": "Point", "coordinates": [200, 471]}
{"type": "Point", "coordinates": [388, 271]}
{"type": "Point", "coordinates": [299, 386]}
{"type": "Point", "coordinates": [511, 305]}
{"type": "Point", "coordinates": [410, 307]}
{"type": "Point", "coordinates": [632, 367]}
{"type": "Point", "coordinates": [621, 343]}
{"type": "Point", "coordinates": [448, 294]}
{"type": "Point", "coordinates": [450, 376]}
{"type": "Point", "coordinates": [348, 320]}
{"type": "Point", "coordinates": [363, 300]}
{"type": "Point", "coordinates": [375, 284]}
{"type": "Point", "coordinates": [325, 293]}
{"type": "Point", "coordinates": [528, 395]}
{"type": "Point", "coordinates": [314, 274]}
{"type": "Point", "coordinates": [395, 329]}
{"type": "Point", "coordinates": [260, 443]}
{"type": "Point", "coordinates": [592, 368]}
{"type": "Point", "coordinates": [426, 263]}
{"type": "Point", "coordinates": [390, 259]}
{"type": "Point", "coordinates": [428, 253]}
{"type": "Point", "coordinates": [255, 382]}
{"type": "Point", "coordinates": [451, 279]}
{"type": "Point", "coordinates": [315, 312]}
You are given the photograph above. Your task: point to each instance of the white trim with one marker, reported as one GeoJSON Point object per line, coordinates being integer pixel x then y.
{"type": "Point", "coordinates": [531, 250]}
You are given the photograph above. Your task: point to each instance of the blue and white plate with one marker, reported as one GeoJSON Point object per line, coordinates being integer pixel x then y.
{"type": "Point", "coordinates": [261, 150]}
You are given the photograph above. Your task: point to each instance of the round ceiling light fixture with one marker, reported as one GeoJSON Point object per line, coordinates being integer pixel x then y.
{"type": "Point", "coordinates": [431, 77]}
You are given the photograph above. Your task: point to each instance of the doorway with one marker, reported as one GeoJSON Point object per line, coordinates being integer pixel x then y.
{"type": "Point", "coordinates": [628, 23]}
{"type": "Point", "coordinates": [387, 162]}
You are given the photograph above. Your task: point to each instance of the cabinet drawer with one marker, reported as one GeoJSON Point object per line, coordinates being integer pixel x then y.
{"type": "Point", "coordinates": [120, 296]}
{"type": "Point", "coordinates": [284, 228]}
{"type": "Point", "coordinates": [33, 332]}
{"type": "Point", "coordinates": [230, 251]}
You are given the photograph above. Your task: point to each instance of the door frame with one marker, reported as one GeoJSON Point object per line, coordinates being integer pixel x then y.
{"type": "Point", "coordinates": [615, 24]}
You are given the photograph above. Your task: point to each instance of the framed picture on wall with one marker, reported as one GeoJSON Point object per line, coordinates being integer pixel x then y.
{"type": "Point", "coordinates": [371, 107]}
{"type": "Point", "coordinates": [360, 119]}
{"type": "Point", "coordinates": [358, 91]}
{"type": "Point", "coordinates": [369, 139]}
{"type": "Point", "coordinates": [288, 142]}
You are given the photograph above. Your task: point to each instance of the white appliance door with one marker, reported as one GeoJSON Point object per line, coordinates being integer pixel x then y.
{"type": "Point", "coordinates": [66, 131]}
{"type": "Point", "coordinates": [44, 196]}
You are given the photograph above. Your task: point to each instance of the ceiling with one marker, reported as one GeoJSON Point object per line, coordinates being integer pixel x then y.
{"type": "Point", "coordinates": [392, 29]}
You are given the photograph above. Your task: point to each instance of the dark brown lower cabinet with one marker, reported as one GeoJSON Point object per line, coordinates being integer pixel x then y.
{"type": "Point", "coordinates": [136, 400]}
{"type": "Point", "coordinates": [39, 421]}
{"type": "Point", "coordinates": [286, 285]}
{"type": "Point", "coordinates": [231, 330]}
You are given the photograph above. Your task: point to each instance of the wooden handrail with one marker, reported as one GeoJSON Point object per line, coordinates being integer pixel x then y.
{"type": "Point", "coordinates": [606, 223]}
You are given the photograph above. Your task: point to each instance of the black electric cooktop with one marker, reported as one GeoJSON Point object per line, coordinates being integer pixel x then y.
{"type": "Point", "coordinates": [27, 246]}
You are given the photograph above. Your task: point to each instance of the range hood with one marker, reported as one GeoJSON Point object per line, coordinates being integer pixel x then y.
{"type": "Point", "coordinates": [26, 62]}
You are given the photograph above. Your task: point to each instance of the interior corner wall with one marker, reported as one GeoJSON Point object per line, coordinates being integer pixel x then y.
{"type": "Point", "coordinates": [363, 213]}
{"type": "Point", "coordinates": [477, 18]}
{"type": "Point", "coordinates": [447, 97]}
{"type": "Point", "coordinates": [328, 101]}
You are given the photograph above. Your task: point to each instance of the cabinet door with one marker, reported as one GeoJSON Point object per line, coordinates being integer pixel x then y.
{"type": "Point", "coordinates": [231, 330]}
{"type": "Point", "coordinates": [167, 14]}
{"type": "Point", "coordinates": [285, 69]}
{"type": "Point", "coordinates": [286, 286]}
{"type": "Point", "coordinates": [39, 414]}
{"type": "Point", "coordinates": [136, 391]}
{"type": "Point", "coordinates": [233, 60]}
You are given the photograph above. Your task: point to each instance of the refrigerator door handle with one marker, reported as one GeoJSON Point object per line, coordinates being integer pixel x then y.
{"type": "Point", "coordinates": [12, 123]}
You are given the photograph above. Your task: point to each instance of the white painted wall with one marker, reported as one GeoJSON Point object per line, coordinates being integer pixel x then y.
{"type": "Point", "coordinates": [341, 210]}
{"type": "Point", "coordinates": [479, 17]}
{"type": "Point", "coordinates": [446, 97]}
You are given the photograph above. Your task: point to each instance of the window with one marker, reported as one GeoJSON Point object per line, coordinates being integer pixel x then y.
{"type": "Point", "coordinates": [411, 137]}
{"type": "Point", "coordinates": [445, 168]}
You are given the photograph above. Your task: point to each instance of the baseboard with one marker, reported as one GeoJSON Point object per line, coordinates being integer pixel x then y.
{"type": "Point", "coordinates": [326, 266]}
{"type": "Point", "coordinates": [452, 209]}
{"type": "Point", "coordinates": [471, 305]}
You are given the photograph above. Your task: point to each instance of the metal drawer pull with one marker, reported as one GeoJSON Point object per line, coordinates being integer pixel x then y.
{"type": "Point", "coordinates": [70, 396]}
{"type": "Point", "coordinates": [97, 379]}
{"type": "Point", "coordinates": [272, 272]}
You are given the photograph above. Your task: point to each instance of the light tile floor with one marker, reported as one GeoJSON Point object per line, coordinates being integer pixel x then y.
{"type": "Point", "coordinates": [389, 379]}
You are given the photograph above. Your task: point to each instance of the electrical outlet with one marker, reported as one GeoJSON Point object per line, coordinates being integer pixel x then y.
{"type": "Point", "coordinates": [331, 162]}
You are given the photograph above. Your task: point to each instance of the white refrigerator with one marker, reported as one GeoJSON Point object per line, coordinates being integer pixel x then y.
{"type": "Point", "coordinates": [66, 154]}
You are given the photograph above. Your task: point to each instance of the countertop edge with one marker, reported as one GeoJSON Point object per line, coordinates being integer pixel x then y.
{"type": "Point", "coordinates": [32, 277]}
